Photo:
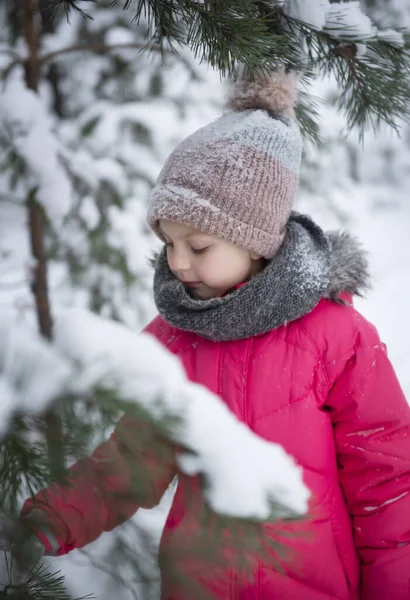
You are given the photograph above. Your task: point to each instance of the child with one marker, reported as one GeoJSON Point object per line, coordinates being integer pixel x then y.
{"type": "Point", "coordinates": [256, 302]}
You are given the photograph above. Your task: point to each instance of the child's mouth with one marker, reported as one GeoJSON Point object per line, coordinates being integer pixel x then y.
{"type": "Point", "coordinates": [192, 284]}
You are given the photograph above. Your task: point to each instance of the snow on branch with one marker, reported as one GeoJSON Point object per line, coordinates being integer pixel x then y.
{"type": "Point", "coordinates": [32, 373]}
{"type": "Point", "coordinates": [392, 37]}
{"type": "Point", "coordinates": [313, 13]}
{"type": "Point", "coordinates": [25, 121]}
{"type": "Point", "coordinates": [343, 20]}
{"type": "Point", "coordinates": [244, 474]}
{"type": "Point", "coordinates": [348, 21]}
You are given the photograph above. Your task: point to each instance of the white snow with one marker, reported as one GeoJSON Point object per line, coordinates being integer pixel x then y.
{"type": "Point", "coordinates": [191, 196]}
{"type": "Point", "coordinates": [110, 170]}
{"type": "Point", "coordinates": [89, 212]}
{"type": "Point", "coordinates": [361, 50]}
{"type": "Point", "coordinates": [119, 35]}
{"type": "Point", "coordinates": [32, 373]}
{"type": "Point", "coordinates": [22, 111]}
{"type": "Point", "coordinates": [65, 34]}
{"type": "Point", "coordinates": [386, 503]}
{"type": "Point", "coordinates": [126, 235]}
{"type": "Point", "coordinates": [225, 451]}
{"type": "Point", "coordinates": [311, 12]}
{"type": "Point", "coordinates": [344, 20]}
{"type": "Point", "coordinates": [347, 20]}
{"type": "Point", "coordinates": [366, 432]}
{"type": "Point", "coordinates": [393, 37]}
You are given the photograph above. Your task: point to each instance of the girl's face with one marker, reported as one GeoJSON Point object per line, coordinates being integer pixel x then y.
{"type": "Point", "coordinates": [206, 264]}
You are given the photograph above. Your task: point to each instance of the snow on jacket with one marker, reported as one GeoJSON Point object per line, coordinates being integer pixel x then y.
{"type": "Point", "coordinates": [322, 386]}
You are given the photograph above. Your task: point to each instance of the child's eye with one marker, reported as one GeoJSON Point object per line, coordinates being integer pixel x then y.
{"type": "Point", "coordinates": [199, 250]}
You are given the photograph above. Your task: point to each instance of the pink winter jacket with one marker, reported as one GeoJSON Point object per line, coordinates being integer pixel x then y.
{"type": "Point", "coordinates": [321, 386]}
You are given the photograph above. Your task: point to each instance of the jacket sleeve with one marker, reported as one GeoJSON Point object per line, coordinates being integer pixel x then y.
{"type": "Point", "coordinates": [104, 490]}
{"type": "Point", "coordinates": [371, 420]}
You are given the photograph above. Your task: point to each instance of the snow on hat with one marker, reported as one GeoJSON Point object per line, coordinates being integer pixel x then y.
{"type": "Point", "coordinates": [237, 177]}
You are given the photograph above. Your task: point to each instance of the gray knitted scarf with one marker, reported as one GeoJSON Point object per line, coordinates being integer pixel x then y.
{"type": "Point", "coordinates": [309, 265]}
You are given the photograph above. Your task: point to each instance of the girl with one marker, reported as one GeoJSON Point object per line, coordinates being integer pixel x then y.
{"type": "Point", "coordinates": [257, 303]}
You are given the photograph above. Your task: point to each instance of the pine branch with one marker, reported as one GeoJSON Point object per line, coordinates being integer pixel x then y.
{"type": "Point", "coordinates": [68, 6]}
{"type": "Point", "coordinates": [307, 113]}
{"type": "Point", "coordinates": [257, 34]}
{"type": "Point", "coordinates": [95, 48]}
{"type": "Point", "coordinates": [9, 51]}
{"type": "Point", "coordinates": [39, 584]}
{"type": "Point", "coordinates": [23, 468]}
{"type": "Point", "coordinates": [365, 82]}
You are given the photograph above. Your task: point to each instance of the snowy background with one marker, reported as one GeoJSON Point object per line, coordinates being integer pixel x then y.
{"type": "Point", "coordinates": [121, 116]}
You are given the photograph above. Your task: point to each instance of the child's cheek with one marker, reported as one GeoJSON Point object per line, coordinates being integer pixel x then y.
{"type": "Point", "coordinates": [208, 270]}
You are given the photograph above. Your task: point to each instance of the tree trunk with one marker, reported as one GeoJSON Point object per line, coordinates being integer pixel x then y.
{"type": "Point", "coordinates": [48, 19]}
{"type": "Point", "coordinates": [36, 223]}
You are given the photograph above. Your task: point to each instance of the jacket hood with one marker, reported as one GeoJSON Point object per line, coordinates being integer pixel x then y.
{"type": "Point", "coordinates": [349, 267]}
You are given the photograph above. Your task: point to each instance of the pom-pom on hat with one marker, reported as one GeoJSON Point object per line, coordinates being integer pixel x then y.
{"type": "Point", "coordinates": [237, 177]}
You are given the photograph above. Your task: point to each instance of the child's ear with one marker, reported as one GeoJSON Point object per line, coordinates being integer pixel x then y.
{"type": "Point", "coordinates": [255, 256]}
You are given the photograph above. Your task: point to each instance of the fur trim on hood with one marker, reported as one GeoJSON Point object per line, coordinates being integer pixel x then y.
{"type": "Point", "coordinates": [349, 270]}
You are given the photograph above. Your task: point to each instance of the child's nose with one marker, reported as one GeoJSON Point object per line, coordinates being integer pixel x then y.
{"type": "Point", "coordinates": [178, 260]}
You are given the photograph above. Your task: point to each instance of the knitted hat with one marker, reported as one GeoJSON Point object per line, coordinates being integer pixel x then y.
{"type": "Point", "coordinates": [237, 177]}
